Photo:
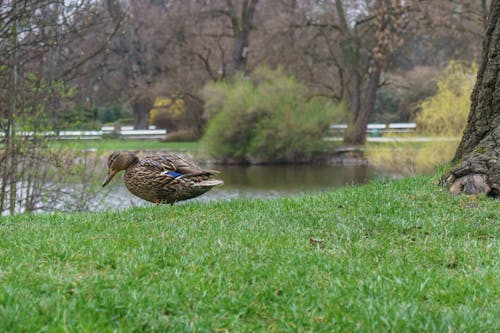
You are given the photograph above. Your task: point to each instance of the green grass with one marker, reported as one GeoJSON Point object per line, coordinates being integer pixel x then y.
{"type": "Point", "coordinates": [117, 144]}
{"type": "Point", "coordinates": [391, 256]}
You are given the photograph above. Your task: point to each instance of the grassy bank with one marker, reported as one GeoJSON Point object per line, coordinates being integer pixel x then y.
{"type": "Point", "coordinates": [390, 256]}
{"type": "Point", "coordinates": [117, 144]}
{"type": "Point", "coordinates": [120, 144]}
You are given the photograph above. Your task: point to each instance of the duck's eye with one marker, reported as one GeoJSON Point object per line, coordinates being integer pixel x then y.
{"type": "Point", "coordinates": [112, 159]}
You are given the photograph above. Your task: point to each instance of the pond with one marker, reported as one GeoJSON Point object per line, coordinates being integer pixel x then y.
{"type": "Point", "coordinates": [262, 182]}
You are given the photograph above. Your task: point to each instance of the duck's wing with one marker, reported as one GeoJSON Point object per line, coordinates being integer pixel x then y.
{"type": "Point", "coordinates": [156, 163]}
{"type": "Point", "coordinates": [174, 165]}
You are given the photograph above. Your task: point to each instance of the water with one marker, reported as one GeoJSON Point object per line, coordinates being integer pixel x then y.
{"type": "Point", "coordinates": [262, 182]}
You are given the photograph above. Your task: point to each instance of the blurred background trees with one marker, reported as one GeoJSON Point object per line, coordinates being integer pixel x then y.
{"type": "Point", "coordinates": [125, 54]}
{"type": "Point", "coordinates": [115, 58]}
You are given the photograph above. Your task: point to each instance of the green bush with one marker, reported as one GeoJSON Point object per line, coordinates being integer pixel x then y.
{"type": "Point", "coordinates": [398, 101]}
{"type": "Point", "coordinates": [445, 113]}
{"type": "Point", "coordinates": [112, 113]}
{"type": "Point", "coordinates": [267, 117]}
{"type": "Point", "coordinates": [78, 118]}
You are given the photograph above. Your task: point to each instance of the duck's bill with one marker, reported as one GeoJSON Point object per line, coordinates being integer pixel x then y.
{"type": "Point", "coordinates": [109, 176]}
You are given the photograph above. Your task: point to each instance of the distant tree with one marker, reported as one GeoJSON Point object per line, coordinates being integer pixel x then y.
{"type": "Point", "coordinates": [476, 164]}
{"type": "Point", "coordinates": [136, 66]}
{"type": "Point", "coordinates": [241, 24]}
{"type": "Point", "coordinates": [341, 48]}
{"type": "Point", "coordinates": [228, 24]}
{"type": "Point", "coordinates": [353, 43]}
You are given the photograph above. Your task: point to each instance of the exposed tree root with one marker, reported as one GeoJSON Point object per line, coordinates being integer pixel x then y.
{"type": "Point", "coordinates": [470, 184]}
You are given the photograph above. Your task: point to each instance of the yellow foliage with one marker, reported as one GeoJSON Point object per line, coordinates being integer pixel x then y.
{"type": "Point", "coordinates": [166, 109]}
{"type": "Point", "coordinates": [412, 159]}
{"type": "Point", "coordinates": [442, 115]}
{"type": "Point", "coordinates": [445, 114]}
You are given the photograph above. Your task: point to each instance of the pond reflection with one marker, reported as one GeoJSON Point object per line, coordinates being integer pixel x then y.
{"type": "Point", "coordinates": [295, 178]}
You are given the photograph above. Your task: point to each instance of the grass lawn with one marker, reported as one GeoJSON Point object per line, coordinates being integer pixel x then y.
{"type": "Point", "coordinates": [117, 144]}
{"type": "Point", "coordinates": [391, 256]}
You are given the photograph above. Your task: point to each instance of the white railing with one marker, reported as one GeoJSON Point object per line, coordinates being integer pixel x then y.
{"type": "Point", "coordinates": [123, 134]}
{"type": "Point", "coordinates": [65, 135]}
{"type": "Point", "coordinates": [143, 134]}
{"type": "Point", "coordinates": [403, 127]}
{"type": "Point", "coordinates": [379, 128]}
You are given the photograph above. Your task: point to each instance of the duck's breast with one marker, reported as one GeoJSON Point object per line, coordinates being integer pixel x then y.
{"type": "Point", "coordinates": [142, 183]}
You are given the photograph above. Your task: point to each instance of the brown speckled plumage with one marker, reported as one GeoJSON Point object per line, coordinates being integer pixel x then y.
{"type": "Point", "coordinates": [164, 178]}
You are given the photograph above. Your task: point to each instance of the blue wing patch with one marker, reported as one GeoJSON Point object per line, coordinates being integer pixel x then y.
{"type": "Point", "coordinates": [172, 174]}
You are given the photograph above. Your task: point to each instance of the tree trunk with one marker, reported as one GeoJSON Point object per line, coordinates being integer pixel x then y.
{"type": "Point", "coordinates": [141, 105]}
{"type": "Point", "coordinates": [357, 134]}
{"type": "Point", "coordinates": [10, 150]}
{"type": "Point", "coordinates": [355, 93]}
{"type": "Point", "coordinates": [242, 26]}
{"type": "Point", "coordinates": [476, 165]}
{"type": "Point", "coordinates": [239, 58]}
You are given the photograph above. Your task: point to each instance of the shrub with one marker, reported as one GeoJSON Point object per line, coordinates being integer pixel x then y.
{"type": "Point", "coordinates": [78, 118]}
{"type": "Point", "coordinates": [112, 113]}
{"type": "Point", "coordinates": [166, 113]}
{"type": "Point", "coordinates": [397, 101]}
{"type": "Point", "coordinates": [185, 135]}
{"type": "Point", "coordinates": [445, 113]}
{"type": "Point", "coordinates": [267, 117]}
{"type": "Point", "coordinates": [411, 158]}
{"type": "Point", "coordinates": [442, 115]}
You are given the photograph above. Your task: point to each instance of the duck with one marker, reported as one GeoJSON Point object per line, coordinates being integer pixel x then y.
{"type": "Point", "coordinates": [163, 178]}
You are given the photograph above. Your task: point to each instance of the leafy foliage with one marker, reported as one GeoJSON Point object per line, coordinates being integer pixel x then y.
{"type": "Point", "coordinates": [397, 102]}
{"type": "Point", "coordinates": [36, 101]}
{"type": "Point", "coordinates": [166, 113]}
{"type": "Point", "coordinates": [445, 113]}
{"type": "Point", "coordinates": [412, 158]}
{"type": "Point", "coordinates": [112, 113]}
{"type": "Point", "coordinates": [267, 117]}
{"type": "Point", "coordinates": [78, 118]}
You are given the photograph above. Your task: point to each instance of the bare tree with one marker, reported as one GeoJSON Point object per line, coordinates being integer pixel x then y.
{"type": "Point", "coordinates": [241, 25]}
{"type": "Point", "coordinates": [171, 48]}
{"type": "Point", "coordinates": [148, 54]}
{"type": "Point", "coordinates": [353, 42]}
{"type": "Point", "coordinates": [34, 58]}
{"type": "Point", "coordinates": [228, 25]}
{"type": "Point", "coordinates": [385, 32]}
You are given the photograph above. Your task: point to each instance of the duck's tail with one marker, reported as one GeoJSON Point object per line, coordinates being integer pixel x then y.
{"type": "Point", "coordinates": [209, 183]}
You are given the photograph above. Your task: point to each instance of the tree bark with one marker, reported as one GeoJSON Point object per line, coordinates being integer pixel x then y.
{"type": "Point", "coordinates": [357, 135]}
{"type": "Point", "coordinates": [363, 96]}
{"type": "Point", "coordinates": [242, 26]}
{"type": "Point", "coordinates": [141, 105]}
{"type": "Point", "coordinates": [476, 164]}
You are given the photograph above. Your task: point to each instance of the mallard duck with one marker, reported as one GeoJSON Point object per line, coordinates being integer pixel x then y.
{"type": "Point", "coordinates": [165, 178]}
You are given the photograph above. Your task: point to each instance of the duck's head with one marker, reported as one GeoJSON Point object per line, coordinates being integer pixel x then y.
{"type": "Point", "coordinates": [116, 162]}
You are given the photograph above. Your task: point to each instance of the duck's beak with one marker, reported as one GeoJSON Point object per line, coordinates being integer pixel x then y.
{"type": "Point", "coordinates": [111, 174]}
